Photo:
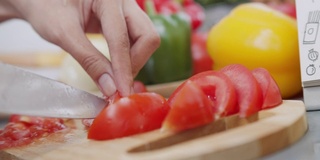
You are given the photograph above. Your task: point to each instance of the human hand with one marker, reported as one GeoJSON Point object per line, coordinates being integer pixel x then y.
{"type": "Point", "coordinates": [129, 32]}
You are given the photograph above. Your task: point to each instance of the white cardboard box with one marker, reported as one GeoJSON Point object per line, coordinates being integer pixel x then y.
{"type": "Point", "coordinates": [308, 18]}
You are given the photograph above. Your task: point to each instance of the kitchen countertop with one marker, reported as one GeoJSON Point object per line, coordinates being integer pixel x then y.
{"type": "Point", "coordinates": [308, 147]}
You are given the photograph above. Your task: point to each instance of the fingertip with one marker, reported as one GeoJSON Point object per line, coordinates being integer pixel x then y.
{"type": "Point", "coordinates": [107, 85]}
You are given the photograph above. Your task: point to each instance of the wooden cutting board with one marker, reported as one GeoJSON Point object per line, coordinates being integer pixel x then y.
{"type": "Point", "coordinates": [229, 138]}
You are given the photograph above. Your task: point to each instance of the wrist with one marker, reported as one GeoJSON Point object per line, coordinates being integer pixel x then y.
{"type": "Point", "coordinates": [8, 10]}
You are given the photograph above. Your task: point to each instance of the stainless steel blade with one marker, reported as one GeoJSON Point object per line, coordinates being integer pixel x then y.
{"type": "Point", "coordinates": [25, 93]}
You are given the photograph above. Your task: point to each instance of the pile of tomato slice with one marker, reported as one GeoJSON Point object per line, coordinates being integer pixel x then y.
{"type": "Point", "coordinates": [201, 99]}
{"type": "Point", "coordinates": [23, 130]}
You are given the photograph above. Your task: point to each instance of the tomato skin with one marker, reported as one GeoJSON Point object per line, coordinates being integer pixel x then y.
{"type": "Point", "coordinates": [138, 87]}
{"type": "Point", "coordinates": [200, 56]}
{"type": "Point", "coordinates": [270, 90]}
{"type": "Point", "coordinates": [190, 108]}
{"type": "Point", "coordinates": [247, 88]}
{"type": "Point", "coordinates": [130, 115]}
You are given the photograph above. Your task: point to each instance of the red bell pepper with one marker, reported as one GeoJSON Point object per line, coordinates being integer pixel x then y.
{"type": "Point", "coordinates": [195, 11]}
{"type": "Point", "coordinates": [192, 8]}
{"type": "Point", "coordinates": [157, 3]}
{"type": "Point", "coordinates": [201, 59]}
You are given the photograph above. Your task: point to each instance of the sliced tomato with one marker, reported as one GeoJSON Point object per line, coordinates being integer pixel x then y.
{"type": "Point", "coordinates": [270, 90]}
{"type": "Point", "coordinates": [218, 88]}
{"type": "Point", "coordinates": [247, 89]}
{"type": "Point", "coordinates": [189, 108]}
{"type": "Point", "coordinates": [137, 113]}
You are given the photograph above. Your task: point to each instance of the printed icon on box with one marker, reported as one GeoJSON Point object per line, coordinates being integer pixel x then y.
{"type": "Point", "coordinates": [311, 70]}
{"type": "Point", "coordinates": [313, 55]}
{"type": "Point", "coordinates": [311, 28]}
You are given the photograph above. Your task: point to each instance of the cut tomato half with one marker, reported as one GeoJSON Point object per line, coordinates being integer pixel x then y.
{"type": "Point", "coordinates": [137, 113]}
{"type": "Point", "coordinates": [247, 89]}
{"type": "Point", "coordinates": [189, 108]}
{"type": "Point", "coordinates": [270, 90]}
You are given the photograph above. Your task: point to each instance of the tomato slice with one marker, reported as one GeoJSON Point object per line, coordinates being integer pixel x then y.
{"type": "Point", "coordinates": [270, 90]}
{"type": "Point", "coordinates": [137, 113]}
{"type": "Point", "coordinates": [189, 108]}
{"type": "Point", "coordinates": [247, 89]}
{"type": "Point", "coordinates": [218, 88]}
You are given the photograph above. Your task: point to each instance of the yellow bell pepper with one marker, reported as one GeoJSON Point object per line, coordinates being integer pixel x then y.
{"type": "Point", "coordinates": [257, 36]}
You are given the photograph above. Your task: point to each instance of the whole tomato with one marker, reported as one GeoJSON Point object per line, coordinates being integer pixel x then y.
{"type": "Point", "coordinates": [255, 35]}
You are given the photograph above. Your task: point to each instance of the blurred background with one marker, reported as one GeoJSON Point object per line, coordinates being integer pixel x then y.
{"type": "Point", "coordinates": [22, 46]}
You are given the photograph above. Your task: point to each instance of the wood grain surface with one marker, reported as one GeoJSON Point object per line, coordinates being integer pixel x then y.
{"type": "Point", "coordinates": [229, 138]}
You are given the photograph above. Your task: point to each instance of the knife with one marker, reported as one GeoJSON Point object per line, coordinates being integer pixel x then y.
{"type": "Point", "coordinates": [26, 93]}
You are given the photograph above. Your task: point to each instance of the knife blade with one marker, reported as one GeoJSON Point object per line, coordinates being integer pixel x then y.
{"type": "Point", "coordinates": [26, 93]}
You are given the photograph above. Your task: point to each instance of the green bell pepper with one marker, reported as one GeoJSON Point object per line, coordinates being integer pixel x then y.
{"type": "Point", "coordinates": [172, 61]}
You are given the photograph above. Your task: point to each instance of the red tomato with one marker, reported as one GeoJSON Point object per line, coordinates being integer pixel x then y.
{"type": "Point", "coordinates": [137, 113]}
{"type": "Point", "coordinates": [138, 87]}
{"type": "Point", "coordinates": [189, 108]}
{"type": "Point", "coordinates": [218, 88]}
{"type": "Point", "coordinates": [247, 88]}
{"type": "Point", "coordinates": [270, 90]}
{"type": "Point", "coordinates": [200, 56]}
{"type": "Point", "coordinates": [286, 8]}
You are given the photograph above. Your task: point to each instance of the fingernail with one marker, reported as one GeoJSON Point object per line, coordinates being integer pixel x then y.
{"type": "Point", "coordinates": [107, 85]}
